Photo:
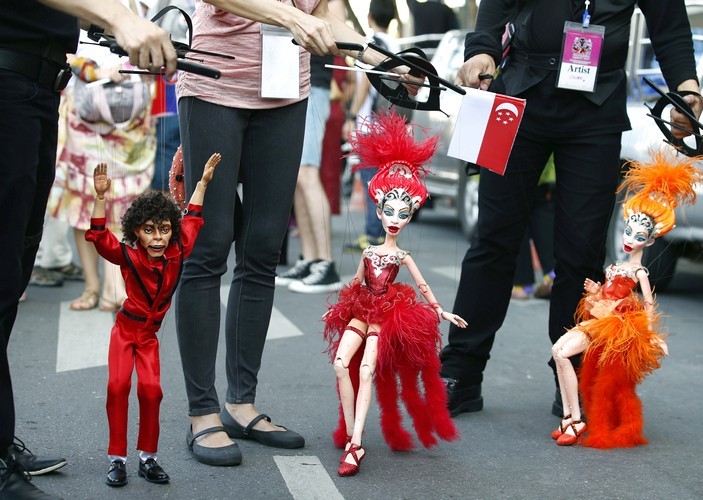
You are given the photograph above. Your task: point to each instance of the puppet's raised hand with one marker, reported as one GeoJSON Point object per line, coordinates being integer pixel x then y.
{"type": "Point", "coordinates": [209, 169]}
{"type": "Point", "coordinates": [591, 286]}
{"type": "Point", "coordinates": [457, 320]}
{"type": "Point", "coordinates": [101, 182]}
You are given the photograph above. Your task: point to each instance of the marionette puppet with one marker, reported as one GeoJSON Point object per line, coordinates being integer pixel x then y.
{"type": "Point", "coordinates": [156, 241]}
{"type": "Point", "coordinates": [617, 329]}
{"type": "Point", "coordinates": [378, 330]}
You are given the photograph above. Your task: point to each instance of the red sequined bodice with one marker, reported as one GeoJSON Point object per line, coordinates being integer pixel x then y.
{"type": "Point", "coordinates": [380, 270]}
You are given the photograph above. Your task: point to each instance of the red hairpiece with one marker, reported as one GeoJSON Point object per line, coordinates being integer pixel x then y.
{"type": "Point", "coordinates": [387, 142]}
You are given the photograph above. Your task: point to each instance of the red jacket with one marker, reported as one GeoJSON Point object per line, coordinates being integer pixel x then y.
{"type": "Point", "coordinates": [149, 284]}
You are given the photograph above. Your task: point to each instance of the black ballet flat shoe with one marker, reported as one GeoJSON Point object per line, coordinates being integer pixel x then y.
{"type": "Point", "coordinates": [462, 398]}
{"type": "Point", "coordinates": [223, 456]}
{"type": "Point", "coordinates": [152, 471]}
{"type": "Point", "coordinates": [276, 439]}
{"type": "Point", "coordinates": [117, 475]}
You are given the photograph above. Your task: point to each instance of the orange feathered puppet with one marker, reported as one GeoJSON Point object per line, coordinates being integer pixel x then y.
{"type": "Point", "coordinates": [617, 329]}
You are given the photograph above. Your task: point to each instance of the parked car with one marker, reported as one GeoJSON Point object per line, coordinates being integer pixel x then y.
{"type": "Point", "coordinates": [686, 239]}
{"type": "Point", "coordinates": [449, 180]}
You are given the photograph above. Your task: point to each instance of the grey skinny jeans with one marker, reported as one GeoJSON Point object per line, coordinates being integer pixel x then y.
{"type": "Point", "coordinates": [261, 149]}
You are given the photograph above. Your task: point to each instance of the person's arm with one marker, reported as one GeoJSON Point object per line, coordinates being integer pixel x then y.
{"type": "Point", "coordinates": [670, 32]}
{"type": "Point", "coordinates": [429, 296]}
{"type": "Point", "coordinates": [148, 46]}
{"type": "Point", "coordinates": [198, 195]}
{"type": "Point", "coordinates": [482, 47]}
{"type": "Point", "coordinates": [313, 34]}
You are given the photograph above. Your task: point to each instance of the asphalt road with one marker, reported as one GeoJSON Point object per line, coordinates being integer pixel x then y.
{"type": "Point", "coordinates": [59, 373]}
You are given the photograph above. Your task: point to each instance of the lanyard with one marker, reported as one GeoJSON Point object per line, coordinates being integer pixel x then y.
{"type": "Point", "coordinates": [586, 21]}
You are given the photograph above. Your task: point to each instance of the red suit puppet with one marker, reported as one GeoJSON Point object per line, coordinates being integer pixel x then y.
{"type": "Point", "coordinates": [378, 330]}
{"type": "Point", "coordinates": [617, 330]}
{"type": "Point", "coordinates": [156, 241]}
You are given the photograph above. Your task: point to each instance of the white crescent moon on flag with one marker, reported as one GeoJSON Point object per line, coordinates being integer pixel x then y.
{"type": "Point", "coordinates": [508, 106]}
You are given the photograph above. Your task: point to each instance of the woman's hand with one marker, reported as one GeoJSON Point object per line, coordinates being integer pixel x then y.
{"type": "Point", "coordinates": [591, 286]}
{"type": "Point", "coordinates": [457, 320]}
{"type": "Point", "coordinates": [478, 65]}
{"type": "Point", "coordinates": [101, 182]}
{"type": "Point", "coordinates": [313, 34]}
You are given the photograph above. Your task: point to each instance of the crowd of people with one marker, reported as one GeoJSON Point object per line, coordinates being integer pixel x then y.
{"type": "Point", "coordinates": [67, 141]}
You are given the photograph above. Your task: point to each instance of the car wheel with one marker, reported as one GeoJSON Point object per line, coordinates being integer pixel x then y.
{"type": "Point", "coordinates": [660, 259]}
{"type": "Point", "coordinates": [467, 201]}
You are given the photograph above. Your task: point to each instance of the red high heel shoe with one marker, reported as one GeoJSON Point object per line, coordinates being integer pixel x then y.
{"type": "Point", "coordinates": [562, 428]}
{"type": "Point", "coordinates": [567, 439]}
{"type": "Point", "coordinates": [347, 469]}
{"type": "Point", "coordinates": [341, 460]}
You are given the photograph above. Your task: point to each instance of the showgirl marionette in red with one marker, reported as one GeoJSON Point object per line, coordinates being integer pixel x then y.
{"type": "Point", "coordinates": [617, 330]}
{"type": "Point", "coordinates": [378, 330]}
{"type": "Point", "coordinates": [156, 241]}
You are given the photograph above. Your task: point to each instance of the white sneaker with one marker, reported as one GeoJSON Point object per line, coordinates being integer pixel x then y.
{"type": "Point", "coordinates": [300, 270]}
{"type": "Point", "coordinates": [323, 278]}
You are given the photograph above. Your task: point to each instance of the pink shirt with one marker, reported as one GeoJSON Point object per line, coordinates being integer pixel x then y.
{"type": "Point", "coordinates": [216, 30]}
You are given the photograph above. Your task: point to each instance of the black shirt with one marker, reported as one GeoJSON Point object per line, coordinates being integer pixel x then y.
{"type": "Point", "coordinates": [559, 112]}
{"type": "Point", "coordinates": [27, 23]}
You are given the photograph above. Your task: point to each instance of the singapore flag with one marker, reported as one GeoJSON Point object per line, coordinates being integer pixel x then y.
{"type": "Point", "coordinates": [485, 129]}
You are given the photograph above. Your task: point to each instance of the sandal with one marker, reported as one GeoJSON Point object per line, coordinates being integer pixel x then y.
{"type": "Point", "coordinates": [347, 469]}
{"type": "Point", "coordinates": [87, 301]}
{"type": "Point", "coordinates": [69, 272]}
{"type": "Point", "coordinates": [562, 428]}
{"type": "Point", "coordinates": [567, 439]}
{"type": "Point", "coordinates": [107, 305]}
{"type": "Point", "coordinates": [42, 276]}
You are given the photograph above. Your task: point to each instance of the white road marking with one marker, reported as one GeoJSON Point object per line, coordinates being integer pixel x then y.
{"type": "Point", "coordinates": [280, 327]}
{"type": "Point", "coordinates": [306, 478]}
{"type": "Point", "coordinates": [84, 337]}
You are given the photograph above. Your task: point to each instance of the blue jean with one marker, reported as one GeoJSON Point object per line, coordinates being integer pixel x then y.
{"type": "Point", "coordinates": [261, 149]}
{"type": "Point", "coordinates": [374, 227]}
{"type": "Point", "coordinates": [167, 141]}
{"type": "Point", "coordinates": [28, 131]}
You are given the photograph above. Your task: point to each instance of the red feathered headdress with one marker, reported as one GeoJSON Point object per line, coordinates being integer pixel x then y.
{"type": "Point", "coordinates": [386, 141]}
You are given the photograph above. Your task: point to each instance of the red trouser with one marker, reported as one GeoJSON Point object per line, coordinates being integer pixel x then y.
{"type": "Point", "coordinates": [132, 341]}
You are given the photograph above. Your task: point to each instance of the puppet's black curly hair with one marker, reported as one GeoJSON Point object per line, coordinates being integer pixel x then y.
{"type": "Point", "coordinates": [153, 206]}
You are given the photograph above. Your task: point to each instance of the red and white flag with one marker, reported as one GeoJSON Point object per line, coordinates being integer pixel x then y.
{"type": "Point", "coordinates": [485, 129]}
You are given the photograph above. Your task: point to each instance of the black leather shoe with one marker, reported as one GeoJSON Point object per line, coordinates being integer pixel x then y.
{"type": "Point", "coordinates": [462, 398]}
{"type": "Point", "coordinates": [276, 439]}
{"type": "Point", "coordinates": [152, 471]}
{"type": "Point", "coordinates": [14, 482]}
{"type": "Point", "coordinates": [222, 456]}
{"type": "Point", "coordinates": [117, 475]}
{"type": "Point", "coordinates": [33, 464]}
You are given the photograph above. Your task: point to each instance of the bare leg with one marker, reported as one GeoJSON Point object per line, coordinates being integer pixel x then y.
{"type": "Point", "coordinates": [312, 211]}
{"type": "Point", "coordinates": [571, 343]}
{"type": "Point", "coordinates": [88, 256]}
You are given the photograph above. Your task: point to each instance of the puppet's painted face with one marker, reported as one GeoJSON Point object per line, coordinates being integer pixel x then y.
{"type": "Point", "coordinates": [394, 215]}
{"type": "Point", "coordinates": [154, 238]}
{"type": "Point", "coordinates": [635, 237]}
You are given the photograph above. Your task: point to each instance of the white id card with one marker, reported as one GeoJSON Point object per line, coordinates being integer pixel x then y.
{"type": "Point", "coordinates": [280, 64]}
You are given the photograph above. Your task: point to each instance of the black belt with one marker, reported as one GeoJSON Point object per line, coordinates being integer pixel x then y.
{"type": "Point", "coordinates": [137, 318]}
{"type": "Point", "coordinates": [39, 69]}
